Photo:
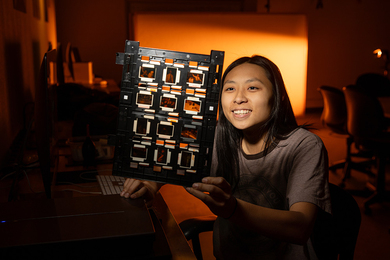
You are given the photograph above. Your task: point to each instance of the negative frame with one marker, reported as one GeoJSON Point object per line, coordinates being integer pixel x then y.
{"type": "Point", "coordinates": [139, 152]}
{"type": "Point", "coordinates": [186, 159]}
{"type": "Point", "coordinates": [144, 98]}
{"type": "Point", "coordinates": [165, 130]}
{"type": "Point", "coordinates": [189, 132]}
{"type": "Point", "coordinates": [192, 106]}
{"type": "Point", "coordinates": [195, 78]}
{"type": "Point", "coordinates": [168, 102]}
{"type": "Point", "coordinates": [162, 156]}
{"type": "Point", "coordinates": [141, 126]}
{"type": "Point", "coordinates": [171, 75]}
{"type": "Point", "coordinates": [147, 72]}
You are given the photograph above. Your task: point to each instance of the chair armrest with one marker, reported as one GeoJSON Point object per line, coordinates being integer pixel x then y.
{"type": "Point", "coordinates": [193, 226]}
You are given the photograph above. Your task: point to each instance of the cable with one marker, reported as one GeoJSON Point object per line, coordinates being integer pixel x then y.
{"type": "Point", "coordinates": [86, 179]}
{"type": "Point", "coordinates": [9, 174]}
{"type": "Point", "coordinates": [84, 192]}
{"type": "Point", "coordinates": [28, 181]}
{"type": "Point", "coordinates": [77, 185]}
{"type": "Point", "coordinates": [29, 184]}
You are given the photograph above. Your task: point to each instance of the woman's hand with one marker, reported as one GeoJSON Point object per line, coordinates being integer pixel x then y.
{"type": "Point", "coordinates": [215, 192]}
{"type": "Point", "coordinates": [136, 189]}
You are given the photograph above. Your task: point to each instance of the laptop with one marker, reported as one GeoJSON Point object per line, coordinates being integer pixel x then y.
{"type": "Point", "coordinates": [79, 227]}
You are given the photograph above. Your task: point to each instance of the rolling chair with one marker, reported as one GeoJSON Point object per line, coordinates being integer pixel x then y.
{"type": "Point", "coordinates": [193, 227]}
{"type": "Point", "coordinates": [334, 117]}
{"type": "Point", "coordinates": [334, 237]}
{"type": "Point", "coordinates": [376, 84]}
{"type": "Point", "coordinates": [368, 125]}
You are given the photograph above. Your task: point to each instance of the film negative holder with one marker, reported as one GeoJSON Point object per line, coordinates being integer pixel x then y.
{"type": "Point", "coordinates": [167, 114]}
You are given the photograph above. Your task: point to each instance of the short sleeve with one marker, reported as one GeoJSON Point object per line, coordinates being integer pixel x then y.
{"type": "Point", "coordinates": [308, 178]}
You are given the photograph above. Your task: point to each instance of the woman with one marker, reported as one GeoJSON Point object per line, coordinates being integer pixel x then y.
{"type": "Point", "coordinates": [269, 175]}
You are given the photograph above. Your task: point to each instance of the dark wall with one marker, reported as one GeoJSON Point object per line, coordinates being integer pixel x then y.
{"type": "Point", "coordinates": [98, 28]}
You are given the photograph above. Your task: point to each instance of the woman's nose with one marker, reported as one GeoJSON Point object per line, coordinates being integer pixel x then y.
{"type": "Point", "coordinates": [240, 97]}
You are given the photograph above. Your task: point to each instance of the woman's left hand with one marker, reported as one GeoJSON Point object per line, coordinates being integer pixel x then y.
{"type": "Point", "coordinates": [215, 192]}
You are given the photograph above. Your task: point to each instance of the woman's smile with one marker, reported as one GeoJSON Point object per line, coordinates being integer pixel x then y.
{"type": "Point", "coordinates": [242, 112]}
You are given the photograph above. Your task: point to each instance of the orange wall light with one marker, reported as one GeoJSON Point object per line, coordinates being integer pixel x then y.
{"type": "Point", "coordinates": [281, 38]}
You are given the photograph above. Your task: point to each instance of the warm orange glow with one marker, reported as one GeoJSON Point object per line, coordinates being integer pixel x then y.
{"type": "Point", "coordinates": [46, 30]}
{"type": "Point", "coordinates": [378, 53]}
{"type": "Point", "coordinates": [281, 38]}
{"type": "Point", "coordinates": [51, 25]}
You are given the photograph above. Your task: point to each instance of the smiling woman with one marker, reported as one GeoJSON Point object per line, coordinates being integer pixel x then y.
{"type": "Point", "coordinates": [246, 97]}
{"type": "Point", "coordinates": [269, 175]}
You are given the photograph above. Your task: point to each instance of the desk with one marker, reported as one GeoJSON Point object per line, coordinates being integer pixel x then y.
{"type": "Point", "coordinates": [178, 244]}
{"type": "Point", "coordinates": [36, 226]}
{"type": "Point", "coordinates": [108, 86]}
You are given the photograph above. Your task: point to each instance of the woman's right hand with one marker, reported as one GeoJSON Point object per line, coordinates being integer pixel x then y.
{"type": "Point", "coordinates": [215, 192]}
{"type": "Point", "coordinates": [134, 189]}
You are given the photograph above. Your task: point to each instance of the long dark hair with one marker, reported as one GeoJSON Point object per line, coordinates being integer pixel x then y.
{"type": "Point", "coordinates": [280, 123]}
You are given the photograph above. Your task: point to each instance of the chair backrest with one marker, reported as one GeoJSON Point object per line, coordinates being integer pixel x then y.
{"type": "Point", "coordinates": [365, 113]}
{"type": "Point", "coordinates": [335, 236]}
{"type": "Point", "coordinates": [334, 114]}
{"type": "Point", "coordinates": [376, 84]}
{"type": "Point", "coordinates": [60, 65]}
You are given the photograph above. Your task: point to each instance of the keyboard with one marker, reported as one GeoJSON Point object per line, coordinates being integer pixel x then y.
{"type": "Point", "coordinates": [110, 184]}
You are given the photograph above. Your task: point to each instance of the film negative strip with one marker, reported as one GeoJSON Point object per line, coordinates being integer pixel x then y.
{"type": "Point", "coordinates": [167, 114]}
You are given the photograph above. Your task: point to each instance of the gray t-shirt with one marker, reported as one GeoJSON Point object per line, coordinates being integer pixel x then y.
{"type": "Point", "coordinates": [294, 170]}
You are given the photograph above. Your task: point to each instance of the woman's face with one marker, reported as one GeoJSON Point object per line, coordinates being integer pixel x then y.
{"type": "Point", "coordinates": [246, 96]}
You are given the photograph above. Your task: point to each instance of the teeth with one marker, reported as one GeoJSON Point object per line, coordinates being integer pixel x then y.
{"type": "Point", "coordinates": [241, 112]}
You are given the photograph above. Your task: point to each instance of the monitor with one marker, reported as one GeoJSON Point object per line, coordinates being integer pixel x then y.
{"type": "Point", "coordinates": [45, 117]}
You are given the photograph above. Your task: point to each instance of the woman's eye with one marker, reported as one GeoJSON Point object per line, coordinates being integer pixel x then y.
{"type": "Point", "coordinates": [229, 89]}
{"type": "Point", "coordinates": [253, 88]}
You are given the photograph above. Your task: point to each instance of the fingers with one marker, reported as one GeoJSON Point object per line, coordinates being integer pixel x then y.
{"type": "Point", "coordinates": [219, 202]}
{"type": "Point", "coordinates": [197, 193]}
{"type": "Point", "coordinates": [217, 187]}
{"type": "Point", "coordinates": [133, 189]}
{"type": "Point", "coordinates": [139, 193]}
{"type": "Point", "coordinates": [219, 182]}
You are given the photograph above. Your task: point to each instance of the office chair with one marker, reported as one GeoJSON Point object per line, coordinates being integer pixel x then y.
{"type": "Point", "coordinates": [193, 227]}
{"type": "Point", "coordinates": [376, 84]}
{"type": "Point", "coordinates": [368, 125]}
{"type": "Point", "coordinates": [334, 117]}
{"type": "Point", "coordinates": [334, 236]}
